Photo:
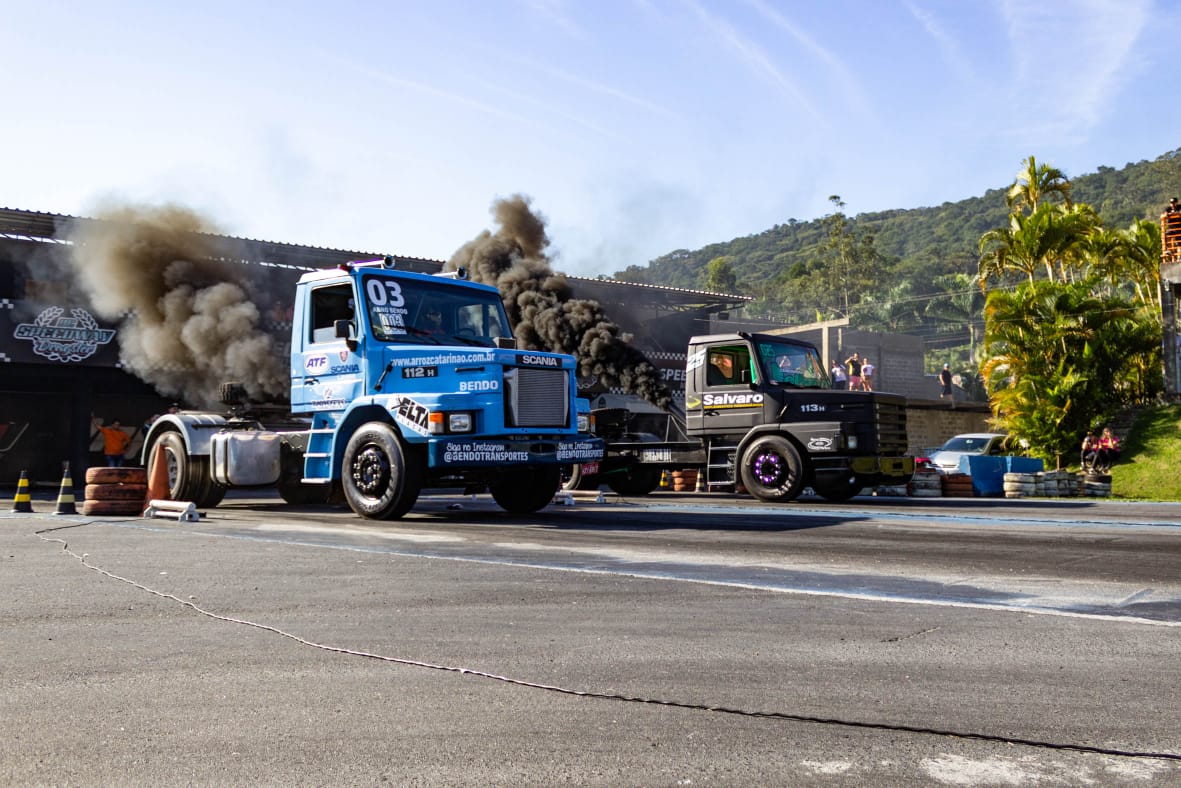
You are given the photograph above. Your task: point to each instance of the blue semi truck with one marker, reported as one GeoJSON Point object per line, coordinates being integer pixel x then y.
{"type": "Point", "coordinates": [400, 381]}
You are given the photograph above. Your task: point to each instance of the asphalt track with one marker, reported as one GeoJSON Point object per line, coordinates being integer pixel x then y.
{"type": "Point", "coordinates": [670, 640]}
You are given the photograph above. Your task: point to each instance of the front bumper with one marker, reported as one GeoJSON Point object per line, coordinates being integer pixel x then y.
{"type": "Point", "coordinates": [486, 452]}
{"type": "Point", "coordinates": [870, 470]}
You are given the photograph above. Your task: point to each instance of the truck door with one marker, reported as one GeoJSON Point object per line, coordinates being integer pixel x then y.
{"type": "Point", "coordinates": [722, 398]}
{"type": "Point", "coordinates": [325, 374]}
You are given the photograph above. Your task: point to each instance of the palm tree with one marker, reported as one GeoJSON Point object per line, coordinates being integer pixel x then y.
{"type": "Point", "coordinates": [1142, 256]}
{"type": "Point", "coordinates": [1046, 238]}
{"type": "Point", "coordinates": [1058, 357]}
{"type": "Point", "coordinates": [959, 304]}
{"type": "Point", "coordinates": [1034, 183]}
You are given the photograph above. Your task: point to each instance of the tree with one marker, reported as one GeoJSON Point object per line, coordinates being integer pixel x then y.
{"type": "Point", "coordinates": [959, 306]}
{"type": "Point", "coordinates": [1034, 183]}
{"type": "Point", "coordinates": [719, 276]}
{"type": "Point", "coordinates": [1046, 239]}
{"type": "Point", "coordinates": [1059, 357]}
{"type": "Point", "coordinates": [896, 311]}
{"type": "Point", "coordinates": [850, 264]}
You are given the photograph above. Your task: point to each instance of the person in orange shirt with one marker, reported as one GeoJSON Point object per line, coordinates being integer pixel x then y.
{"type": "Point", "coordinates": [115, 442]}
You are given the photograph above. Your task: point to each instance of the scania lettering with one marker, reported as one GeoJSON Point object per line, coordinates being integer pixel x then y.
{"type": "Point", "coordinates": [385, 403]}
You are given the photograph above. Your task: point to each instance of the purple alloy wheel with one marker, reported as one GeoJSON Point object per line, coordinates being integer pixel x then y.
{"type": "Point", "coordinates": [768, 468]}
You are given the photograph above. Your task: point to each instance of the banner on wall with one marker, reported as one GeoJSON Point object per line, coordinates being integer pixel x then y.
{"type": "Point", "coordinates": [53, 334]}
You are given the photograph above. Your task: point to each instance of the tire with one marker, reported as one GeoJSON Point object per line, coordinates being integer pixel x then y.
{"type": "Point", "coordinates": [525, 494]}
{"type": "Point", "coordinates": [112, 508]}
{"type": "Point", "coordinates": [635, 480]}
{"type": "Point", "coordinates": [839, 493]}
{"type": "Point", "coordinates": [381, 480]}
{"type": "Point", "coordinates": [188, 477]}
{"type": "Point", "coordinates": [771, 470]}
{"type": "Point", "coordinates": [571, 477]}
{"type": "Point", "coordinates": [116, 492]}
{"type": "Point", "coordinates": [575, 478]}
{"type": "Point", "coordinates": [290, 485]}
{"type": "Point", "coordinates": [297, 493]}
{"type": "Point", "coordinates": [104, 475]}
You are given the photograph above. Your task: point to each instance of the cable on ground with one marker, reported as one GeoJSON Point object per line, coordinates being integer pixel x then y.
{"type": "Point", "coordinates": [776, 715]}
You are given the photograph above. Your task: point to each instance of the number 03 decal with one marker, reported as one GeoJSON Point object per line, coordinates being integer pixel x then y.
{"type": "Point", "coordinates": [384, 292]}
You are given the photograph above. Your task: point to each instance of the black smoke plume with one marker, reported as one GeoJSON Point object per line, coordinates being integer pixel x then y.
{"type": "Point", "coordinates": [187, 321]}
{"type": "Point", "coordinates": [544, 314]}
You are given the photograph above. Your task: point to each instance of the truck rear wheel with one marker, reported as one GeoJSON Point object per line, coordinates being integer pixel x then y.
{"type": "Point", "coordinates": [526, 492]}
{"type": "Point", "coordinates": [188, 477]}
{"type": "Point", "coordinates": [634, 480]}
{"type": "Point", "coordinates": [381, 481]}
{"type": "Point", "coordinates": [772, 470]}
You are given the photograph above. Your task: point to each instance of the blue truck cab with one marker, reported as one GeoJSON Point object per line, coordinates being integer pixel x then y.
{"type": "Point", "coordinates": [414, 380]}
{"type": "Point", "coordinates": [400, 381]}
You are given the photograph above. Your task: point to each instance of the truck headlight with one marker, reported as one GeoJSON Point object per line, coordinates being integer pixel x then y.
{"type": "Point", "coordinates": [851, 441]}
{"type": "Point", "coordinates": [585, 422]}
{"type": "Point", "coordinates": [446, 423]}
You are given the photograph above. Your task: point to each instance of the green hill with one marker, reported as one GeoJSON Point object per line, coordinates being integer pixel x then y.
{"type": "Point", "coordinates": [916, 246]}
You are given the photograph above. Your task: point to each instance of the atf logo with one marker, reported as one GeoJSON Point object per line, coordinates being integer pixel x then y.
{"type": "Point", "coordinates": [59, 338]}
{"type": "Point", "coordinates": [315, 364]}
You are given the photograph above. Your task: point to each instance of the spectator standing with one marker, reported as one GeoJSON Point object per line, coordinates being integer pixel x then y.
{"type": "Point", "coordinates": [853, 365]}
{"type": "Point", "coordinates": [115, 441]}
{"type": "Point", "coordinates": [839, 378]}
{"type": "Point", "coordinates": [867, 370]}
{"type": "Point", "coordinates": [945, 382]}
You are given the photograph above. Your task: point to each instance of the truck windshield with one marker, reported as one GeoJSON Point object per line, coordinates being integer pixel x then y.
{"type": "Point", "coordinates": [789, 364]}
{"type": "Point", "coordinates": [413, 311]}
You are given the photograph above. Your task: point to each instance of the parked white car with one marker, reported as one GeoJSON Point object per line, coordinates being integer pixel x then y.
{"type": "Point", "coordinates": [947, 458]}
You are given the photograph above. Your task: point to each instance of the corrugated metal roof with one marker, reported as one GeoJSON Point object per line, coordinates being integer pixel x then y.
{"type": "Point", "coordinates": [53, 228]}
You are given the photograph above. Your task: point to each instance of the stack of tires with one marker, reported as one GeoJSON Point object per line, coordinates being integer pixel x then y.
{"type": "Point", "coordinates": [1056, 483]}
{"type": "Point", "coordinates": [926, 483]}
{"type": "Point", "coordinates": [1097, 485]}
{"type": "Point", "coordinates": [1020, 485]}
{"type": "Point", "coordinates": [957, 485]}
{"type": "Point", "coordinates": [115, 491]}
{"type": "Point", "coordinates": [685, 480]}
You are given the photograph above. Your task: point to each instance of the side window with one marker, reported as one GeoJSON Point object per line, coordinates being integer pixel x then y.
{"type": "Point", "coordinates": [728, 365]}
{"type": "Point", "coordinates": [330, 304]}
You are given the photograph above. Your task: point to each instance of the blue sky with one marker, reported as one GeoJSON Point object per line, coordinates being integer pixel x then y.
{"type": "Point", "coordinates": [635, 126]}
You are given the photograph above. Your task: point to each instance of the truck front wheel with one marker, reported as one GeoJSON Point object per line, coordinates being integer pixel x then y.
{"type": "Point", "coordinates": [525, 494]}
{"type": "Point", "coordinates": [772, 470]}
{"type": "Point", "coordinates": [381, 481]}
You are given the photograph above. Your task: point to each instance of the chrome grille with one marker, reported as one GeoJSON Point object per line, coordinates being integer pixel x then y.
{"type": "Point", "coordinates": [536, 397]}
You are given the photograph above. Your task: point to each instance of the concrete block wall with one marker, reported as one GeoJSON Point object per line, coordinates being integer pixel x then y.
{"type": "Point", "coordinates": [931, 423]}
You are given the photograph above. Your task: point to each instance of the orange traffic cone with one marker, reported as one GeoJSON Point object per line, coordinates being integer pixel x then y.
{"type": "Point", "coordinates": [65, 496]}
{"type": "Point", "coordinates": [22, 503]}
{"type": "Point", "coordinates": [158, 489]}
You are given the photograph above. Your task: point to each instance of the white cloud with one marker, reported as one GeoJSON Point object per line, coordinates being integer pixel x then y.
{"type": "Point", "coordinates": [1070, 58]}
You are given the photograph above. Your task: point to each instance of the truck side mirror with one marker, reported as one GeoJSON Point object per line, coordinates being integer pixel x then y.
{"type": "Point", "coordinates": [344, 330]}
